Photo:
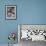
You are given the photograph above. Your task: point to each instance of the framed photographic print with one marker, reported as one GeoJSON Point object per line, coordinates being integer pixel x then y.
{"type": "Point", "coordinates": [10, 12]}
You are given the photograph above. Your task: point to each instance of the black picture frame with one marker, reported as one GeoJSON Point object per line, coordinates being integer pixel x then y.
{"type": "Point", "coordinates": [10, 12]}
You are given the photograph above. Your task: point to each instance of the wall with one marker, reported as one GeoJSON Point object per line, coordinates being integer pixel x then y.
{"type": "Point", "coordinates": [28, 12]}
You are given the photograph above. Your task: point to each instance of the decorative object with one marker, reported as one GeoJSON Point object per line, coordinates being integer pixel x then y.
{"type": "Point", "coordinates": [10, 12]}
{"type": "Point", "coordinates": [11, 37]}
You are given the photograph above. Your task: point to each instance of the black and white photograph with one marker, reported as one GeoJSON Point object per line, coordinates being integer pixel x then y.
{"type": "Point", "coordinates": [31, 34]}
{"type": "Point", "coordinates": [10, 12]}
